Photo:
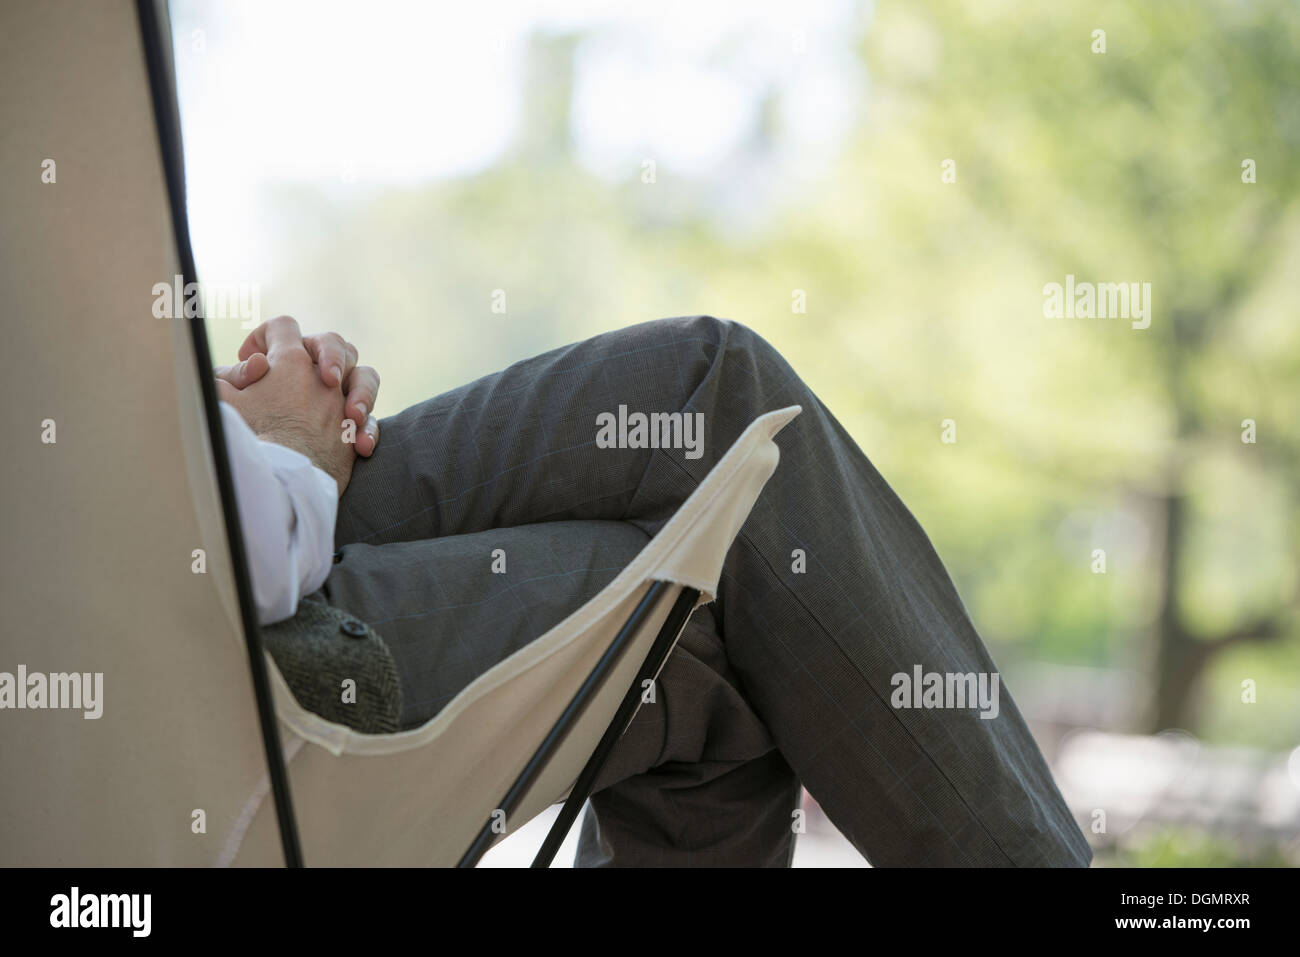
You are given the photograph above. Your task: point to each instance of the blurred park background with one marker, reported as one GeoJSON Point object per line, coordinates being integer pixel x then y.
{"type": "Point", "coordinates": [911, 173]}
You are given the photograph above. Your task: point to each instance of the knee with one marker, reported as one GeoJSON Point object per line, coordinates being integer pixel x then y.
{"type": "Point", "coordinates": [726, 348]}
{"type": "Point", "coordinates": [742, 346]}
{"type": "Point", "coordinates": [728, 336]}
{"type": "Point", "coordinates": [706, 329]}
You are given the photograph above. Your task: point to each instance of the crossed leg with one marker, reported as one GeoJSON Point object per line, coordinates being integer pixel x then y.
{"type": "Point", "coordinates": [785, 678]}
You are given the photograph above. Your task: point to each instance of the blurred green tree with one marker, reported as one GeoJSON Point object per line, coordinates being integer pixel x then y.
{"type": "Point", "coordinates": [925, 303]}
{"type": "Point", "coordinates": [1116, 166]}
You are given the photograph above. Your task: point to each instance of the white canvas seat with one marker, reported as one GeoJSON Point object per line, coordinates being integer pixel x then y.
{"type": "Point", "coordinates": [112, 493]}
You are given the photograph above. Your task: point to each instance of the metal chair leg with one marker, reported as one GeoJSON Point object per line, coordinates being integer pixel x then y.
{"type": "Point", "coordinates": [658, 654]}
{"type": "Point", "coordinates": [663, 644]}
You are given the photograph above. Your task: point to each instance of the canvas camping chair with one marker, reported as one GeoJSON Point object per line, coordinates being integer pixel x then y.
{"type": "Point", "coordinates": [123, 556]}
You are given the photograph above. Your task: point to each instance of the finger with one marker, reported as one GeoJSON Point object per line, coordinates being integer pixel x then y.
{"type": "Point", "coordinates": [368, 438]}
{"type": "Point", "coordinates": [256, 342]}
{"type": "Point", "coordinates": [326, 350]}
{"type": "Point", "coordinates": [335, 357]}
{"type": "Point", "coordinates": [361, 389]}
{"type": "Point", "coordinates": [243, 374]}
{"type": "Point", "coordinates": [281, 335]}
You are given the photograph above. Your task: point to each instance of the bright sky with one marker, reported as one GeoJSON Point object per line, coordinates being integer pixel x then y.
{"type": "Point", "coordinates": [341, 95]}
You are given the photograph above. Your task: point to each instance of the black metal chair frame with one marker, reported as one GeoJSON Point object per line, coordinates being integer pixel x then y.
{"type": "Point", "coordinates": [657, 655]}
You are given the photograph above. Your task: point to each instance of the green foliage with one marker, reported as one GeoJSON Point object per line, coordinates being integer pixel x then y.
{"type": "Point", "coordinates": [925, 300]}
{"type": "Point", "coordinates": [1188, 847]}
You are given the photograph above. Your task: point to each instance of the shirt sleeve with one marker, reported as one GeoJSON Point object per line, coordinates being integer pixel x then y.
{"type": "Point", "coordinates": [287, 510]}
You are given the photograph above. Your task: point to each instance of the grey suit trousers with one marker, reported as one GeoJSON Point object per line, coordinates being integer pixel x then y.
{"type": "Point", "coordinates": [489, 513]}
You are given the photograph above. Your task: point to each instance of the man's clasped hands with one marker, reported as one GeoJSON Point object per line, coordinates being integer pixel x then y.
{"type": "Point", "coordinates": [306, 393]}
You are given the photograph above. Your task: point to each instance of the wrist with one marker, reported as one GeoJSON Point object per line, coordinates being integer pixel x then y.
{"type": "Point", "coordinates": [304, 443]}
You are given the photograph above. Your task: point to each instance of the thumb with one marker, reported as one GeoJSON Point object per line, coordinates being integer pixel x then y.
{"type": "Point", "coordinates": [243, 374]}
{"type": "Point", "coordinates": [227, 392]}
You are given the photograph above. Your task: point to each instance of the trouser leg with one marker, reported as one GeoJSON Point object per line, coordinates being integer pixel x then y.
{"type": "Point", "coordinates": [830, 590]}
{"type": "Point", "coordinates": [450, 608]}
{"type": "Point", "coordinates": [697, 780]}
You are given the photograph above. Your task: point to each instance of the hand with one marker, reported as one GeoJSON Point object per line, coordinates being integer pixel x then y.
{"type": "Point", "coordinates": [291, 404]}
{"type": "Point", "coordinates": [336, 362]}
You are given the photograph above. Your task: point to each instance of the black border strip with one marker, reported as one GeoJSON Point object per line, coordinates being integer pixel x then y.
{"type": "Point", "coordinates": [157, 52]}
